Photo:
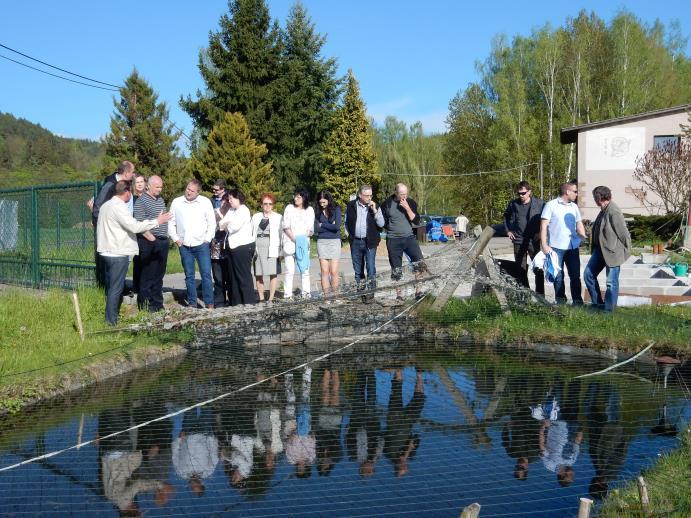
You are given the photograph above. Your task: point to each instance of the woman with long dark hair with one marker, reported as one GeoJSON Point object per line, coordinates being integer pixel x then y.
{"type": "Point", "coordinates": [327, 226]}
{"type": "Point", "coordinates": [238, 223]}
{"type": "Point", "coordinates": [298, 226]}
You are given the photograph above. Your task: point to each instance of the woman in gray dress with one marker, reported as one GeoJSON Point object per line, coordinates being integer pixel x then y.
{"type": "Point", "coordinates": [266, 226]}
{"type": "Point", "coordinates": [327, 227]}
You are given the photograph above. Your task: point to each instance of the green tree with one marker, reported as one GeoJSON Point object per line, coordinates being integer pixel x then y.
{"type": "Point", "coordinates": [349, 151]}
{"type": "Point", "coordinates": [231, 153]}
{"type": "Point", "coordinates": [140, 130]}
{"type": "Point", "coordinates": [305, 95]}
{"type": "Point", "coordinates": [238, 68]}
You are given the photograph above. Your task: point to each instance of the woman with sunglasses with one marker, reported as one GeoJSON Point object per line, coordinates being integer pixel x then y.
{"type": "Point", "coordinates": [266, 227]}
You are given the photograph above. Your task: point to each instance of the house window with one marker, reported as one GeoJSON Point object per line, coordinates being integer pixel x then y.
{"type": "Point", "coordinates": [661, 141]}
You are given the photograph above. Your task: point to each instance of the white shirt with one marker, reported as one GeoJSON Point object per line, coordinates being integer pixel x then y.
{"type": "Point", "coordinates": [301, 222]}
{"type": "Point", "coordinates": [238, 223]}
{"type": "Point", "coordinates": [193, 222]}
{"type": "Point", "coordinates": [562, 217]}
{"type": "Point", "coordinates": [116, 229]}
{"type": "Point", "coordinates": [461, 224]}
{"type": "Point", "coordinates": [195, 454]}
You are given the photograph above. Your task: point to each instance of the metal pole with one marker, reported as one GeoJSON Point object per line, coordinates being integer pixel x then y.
{"type": "Point", "coordinates": [57, 225]}
{"type": "Point", "coordinates": [35, 241]}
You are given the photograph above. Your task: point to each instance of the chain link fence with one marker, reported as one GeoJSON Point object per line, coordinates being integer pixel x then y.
{"type": "Point", "coordinates": [46, 236]}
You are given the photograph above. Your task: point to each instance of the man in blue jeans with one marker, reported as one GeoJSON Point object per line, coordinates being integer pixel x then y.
{"type": "Point", "coordinates": [363, 221]}
{"type": "Point", "coordinates": [611, 247]}
{"type": "Point", "coordinates": [561, 231]}
{"type": "Point", "coordinates": [192, 227]}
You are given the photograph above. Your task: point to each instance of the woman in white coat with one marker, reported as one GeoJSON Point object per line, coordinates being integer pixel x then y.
{"type": "Point", "coordinates": [266, 227]}
{"type": "Point", "coordinates": [238, 223]}
{"type": "Point", "coordinates": [298, 220]}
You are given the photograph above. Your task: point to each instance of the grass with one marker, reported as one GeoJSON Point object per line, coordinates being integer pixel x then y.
{"type": "Point", "coordinates": [40, 339]}
{"type": "Point", "coordinates": [669, 487]}
{"type": "Point", "coordinates": [626, 328]}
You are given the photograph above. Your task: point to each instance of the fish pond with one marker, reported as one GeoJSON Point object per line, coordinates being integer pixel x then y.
{"type": "Point", "coordinates": [369, 430]}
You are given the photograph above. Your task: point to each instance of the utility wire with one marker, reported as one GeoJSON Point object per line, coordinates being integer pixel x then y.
{"type": "Point", "coordinates": [57, 68]}
{"type": "Point", "coordinates": [55, 75]}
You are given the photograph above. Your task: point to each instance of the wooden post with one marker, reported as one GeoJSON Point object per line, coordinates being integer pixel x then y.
{"type": "Point", "coordinates": [643, 494]}
{"type": "Point", "coordinates": [472, 511]}
{"type": "Point", "coordinates": [75, 299]}
{"type": "Point", "coordinates": [584, 507]}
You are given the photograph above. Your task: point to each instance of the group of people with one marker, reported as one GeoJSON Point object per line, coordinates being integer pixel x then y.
{"type": "Point", "coordinates": [556, 229]}
{"type": "Point", "coordinates": [233, 249]}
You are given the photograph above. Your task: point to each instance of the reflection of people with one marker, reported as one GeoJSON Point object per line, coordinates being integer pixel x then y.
{"type": "Point", "coordinates": [611, 246]}
{"type": "Point", "coordinates": [608, 440]}
{"type": "Point", "coordinates": [560, 433]}
{"type": "Point", "coordinates": [520, 439]}
{"type": "Point", "coordinates": [522, 221]}
{"type": "Point", "coordinates": [328, 431]}
{"type": "Point", "coordinates": [364, 439]}
{"type": "Point", "coordinates": [195, 450]}
{"type": "Point", "coordinates": [300, 443]}
{"type": "Point", "coordinates": [561, 231]}
{"type": "Point", "coordinates": [236, 432]}
{"type": "Point", "coordinates": [400, 444]}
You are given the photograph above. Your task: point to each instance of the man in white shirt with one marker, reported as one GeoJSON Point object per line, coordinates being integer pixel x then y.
{"type": "Point", "coordinates": [461, 225]}
{"type": "Point", "coordinates": [116, 231]}
{"type": "Point", "coordinates": [192, 228]}
{"type": "Point", "coordinates": [561, 231]}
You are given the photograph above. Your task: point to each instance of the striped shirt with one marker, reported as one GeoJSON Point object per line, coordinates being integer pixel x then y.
{"type": "Point", "coordinates": [147, 207]}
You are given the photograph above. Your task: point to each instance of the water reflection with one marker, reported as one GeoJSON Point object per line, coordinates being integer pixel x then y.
{"type": "Point", "coordinates": [348, 438]}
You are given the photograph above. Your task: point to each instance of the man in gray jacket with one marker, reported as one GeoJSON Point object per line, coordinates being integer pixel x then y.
{"type": "Point", "coordinates": [611, 247]}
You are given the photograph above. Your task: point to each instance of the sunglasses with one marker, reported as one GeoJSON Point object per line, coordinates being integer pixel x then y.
{"type": "Point", "coordinates": [267, 203]}
{"type": "Point", "coordinates": [522, 193]}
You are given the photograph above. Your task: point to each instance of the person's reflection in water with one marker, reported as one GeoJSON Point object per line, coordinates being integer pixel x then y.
{"type": "Point", "coordinates": [329, 423]}
{"type": "Point", "coordinates": [608, 441]}
{"type": "Point", "coordinates": [120, 456]}
{"type": "Point", "coordinates": [235, 427]}
{"type": "Point", "coordinates": [195, 450]}
{"type": "Point", "coordinates": [300, 442]}
{"type": "Point", "coordinates": [400, 444]}
{"type": "Point", "coordinates": [560, 433]}
{"type": "Point", "coordinates": [364, 436]}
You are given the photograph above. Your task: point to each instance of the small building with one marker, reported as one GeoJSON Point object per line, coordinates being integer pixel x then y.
{"type": "Point", "coordinates": [607, 152]}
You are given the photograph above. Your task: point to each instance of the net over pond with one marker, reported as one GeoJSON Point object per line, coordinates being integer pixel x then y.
{"type": "Point", "coordinates": [373, 429]}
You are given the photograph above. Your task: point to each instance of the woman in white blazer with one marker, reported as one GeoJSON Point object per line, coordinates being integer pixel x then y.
{"type": "Point", "coordinates": [266, 228]}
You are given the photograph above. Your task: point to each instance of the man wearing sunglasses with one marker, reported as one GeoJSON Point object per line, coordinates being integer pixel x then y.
{"type": "Point", "coordinates": [522, 222]}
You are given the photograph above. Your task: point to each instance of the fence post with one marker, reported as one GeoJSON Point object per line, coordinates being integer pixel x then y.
{"type": "Point", "coordinates": [57, 225]}
{"type": "Point", "coordinates": [35, 241]}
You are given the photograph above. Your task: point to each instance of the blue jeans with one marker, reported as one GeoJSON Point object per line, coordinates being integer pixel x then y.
{"type": "Point", "coordinates": [594, 267]}
{"type": "Point", "coordinates": [202, 255]}
{"type": "Point", "coordinates": [115, 269]}
{"type": "Point", "coordinates": [572, 261]}
{"type": "Point", "coordinates": [363, 256]}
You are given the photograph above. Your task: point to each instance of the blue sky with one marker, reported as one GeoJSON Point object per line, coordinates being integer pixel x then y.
{"type": "Point", "coordinates": [410, 57]}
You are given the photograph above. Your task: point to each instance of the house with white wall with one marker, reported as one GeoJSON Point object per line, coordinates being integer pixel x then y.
{"type": "Point", "coordinates": [607, 152]}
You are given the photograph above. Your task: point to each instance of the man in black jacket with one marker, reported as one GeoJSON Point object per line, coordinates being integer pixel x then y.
{"type": "Point", "coordinates": [400, 214]}
{"type": "Point", "coordinates": [124, 172]}
{"type": "Point", "coordinates": [363, 220]}
{"type": "Point", "coordinates": [522, 222]}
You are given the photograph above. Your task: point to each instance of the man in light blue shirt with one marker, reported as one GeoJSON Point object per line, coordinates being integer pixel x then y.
{"type": "Point", "coordinates": [561, 230]}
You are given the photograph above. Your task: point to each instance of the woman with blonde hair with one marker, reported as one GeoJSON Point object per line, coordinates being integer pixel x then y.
{"type": "Point", "coordinates": [266, 228]}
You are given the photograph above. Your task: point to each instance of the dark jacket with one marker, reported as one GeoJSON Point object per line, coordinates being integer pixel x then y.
{"type": "Point", "coordinates": [105, 194]}
{"type": "Point", "coordinates": [387, 207]}
{"type": "Point", "coordinates": [328, 228]}
{"type": "Point", "coordinates": [532, 229]}
{"type": "Point", "coordinates": [220, 235]}
{"type": "Point", "coordinates": [615, 240]}
{"type": "Point", "coordinates": [372, 240]}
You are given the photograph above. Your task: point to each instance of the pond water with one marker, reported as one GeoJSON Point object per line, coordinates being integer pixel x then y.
{"type": "Point", "coordinates": [370, 431]}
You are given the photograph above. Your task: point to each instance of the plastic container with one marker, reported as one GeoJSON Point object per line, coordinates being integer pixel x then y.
{"type": "Point", "coordinates": [681, 269]}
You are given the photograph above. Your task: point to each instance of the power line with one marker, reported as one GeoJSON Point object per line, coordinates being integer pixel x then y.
{"type": "Point", "coordinates": [57, 68]}
{"type": "Point", "coordinates": [55, 75]}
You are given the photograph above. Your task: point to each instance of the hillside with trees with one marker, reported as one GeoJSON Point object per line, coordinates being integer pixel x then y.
{"type": "Point", "coordinates": [30, 155]}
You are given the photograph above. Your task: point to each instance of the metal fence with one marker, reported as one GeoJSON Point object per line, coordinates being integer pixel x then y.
{"type": "Point", "coordinates": [46, 236]}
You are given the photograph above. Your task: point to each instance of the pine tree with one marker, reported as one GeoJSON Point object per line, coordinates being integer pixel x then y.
{"type": "Point", "coordinates": [140, 130]}
{"type": "Point", "coordinates": [306, 94]}
{"type": "Point", "coordinates": [232, 154]}
{"type": "Point", "coordinates": [349, 150]}
{"type": "Point", "coordinates": [238, 67]}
